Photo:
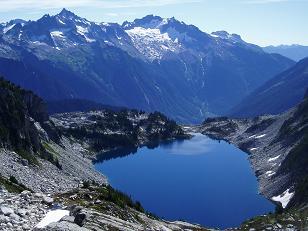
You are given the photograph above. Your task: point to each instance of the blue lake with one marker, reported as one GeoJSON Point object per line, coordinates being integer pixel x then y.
{"type": "Point", "coordinates": [199, 180]}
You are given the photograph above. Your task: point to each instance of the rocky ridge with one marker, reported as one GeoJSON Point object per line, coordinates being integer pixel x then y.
{"type": "Point", "coordinates": [149, 64]}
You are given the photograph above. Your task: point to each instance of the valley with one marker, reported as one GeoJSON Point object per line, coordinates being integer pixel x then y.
{"type": "Point", "coordinates": [150, 124]}
{"type": "Point", "coordinates": [151, 64]}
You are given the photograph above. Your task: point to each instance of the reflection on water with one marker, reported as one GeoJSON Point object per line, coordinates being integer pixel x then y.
{"type": "Point", "coordinates": [199, 180]}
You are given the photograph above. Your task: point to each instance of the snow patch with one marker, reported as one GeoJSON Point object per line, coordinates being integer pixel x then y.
{"type": "Point", "coordinates": [274, 158]}
{"type": "Point", "coordinates": [81, 30]}
{"type": "Point", "coordinates": [89, 40]}
{"type": "Point", "coordinates": [260, 136]}
{"type": "Point", "coordinates": [52, 216]}
{"type": "Point", "coordinates": [270, 173]}
{"type": "Point", "coordinates": [284, 198]}
{"type": "Point", "coordinates": [151, 42]}
{"type": "Point", "coordinates": [256, 137]}
{"type": "Point", "coordinates": [57, 34]}
{"type": "Point", "coordinates": [6, 29]}
{"type": "Point", "coordinates": [61, 22]}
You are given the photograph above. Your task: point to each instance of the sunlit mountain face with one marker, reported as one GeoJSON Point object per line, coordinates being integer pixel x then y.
{"type": "Point", "coordinates": [150, 64]}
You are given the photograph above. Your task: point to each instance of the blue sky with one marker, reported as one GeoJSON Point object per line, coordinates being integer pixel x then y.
{"type": "Point", "coordinates": [263, 22]}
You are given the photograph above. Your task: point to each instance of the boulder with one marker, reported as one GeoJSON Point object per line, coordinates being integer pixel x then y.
{"type": "Point", "coordinates": [80, 219]}
{"type": "Point", "coordinates": [14, 217]}
{"type": "Point", "coordinates": [4, 219]}
{"type": "Point", "coordinates": [6, 210]}
{"type": "Point", "coordinates": [68, 219]}
{"type": "Point", "coordinates": [75, 210]}
{"type": "Point", "coordinates": [48, 200]}
{"type": "Point", "coordinates": [22, 212]}
{"type": "Point", "coordinates": [26, 227]}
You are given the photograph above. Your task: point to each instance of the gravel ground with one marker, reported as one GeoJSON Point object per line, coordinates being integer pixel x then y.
{"type": "Point", "coordinates": [47, 178]}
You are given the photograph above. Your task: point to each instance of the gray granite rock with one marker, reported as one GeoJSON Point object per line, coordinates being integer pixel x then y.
{"type": "Point", "coordinates": [6, 210]}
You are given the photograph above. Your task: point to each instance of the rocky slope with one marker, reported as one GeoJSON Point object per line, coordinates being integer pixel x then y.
{"type": "Point", "coordinates": [22, 211]}
{"type": "Point", "coordinates": [277, 147]}
{"type": "Point", "coordinates": [47, 169]}
{"type": "Point", "coordinates": [82, 209]}
{"type": "Point", "coordinates": [33, 151]}
{"type": "Point", "coordinates": [150, 64]}
{"type": "Point", "coordinates": [103, 208]}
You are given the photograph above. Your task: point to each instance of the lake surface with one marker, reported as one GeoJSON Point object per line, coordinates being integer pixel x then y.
{"type": "Point", "coordinates": [199, 180]}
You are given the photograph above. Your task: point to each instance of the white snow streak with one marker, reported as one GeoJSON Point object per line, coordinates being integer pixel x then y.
{"type": "Point", "coordinates": [284, 198]}
{"type": "Point", "coordinates": [274, 158]}
{"type": "Point", "coordinates": [52, 216]}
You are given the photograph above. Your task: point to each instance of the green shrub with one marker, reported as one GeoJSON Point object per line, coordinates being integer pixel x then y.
{"type": "Point", "coordinates": [13, 180]}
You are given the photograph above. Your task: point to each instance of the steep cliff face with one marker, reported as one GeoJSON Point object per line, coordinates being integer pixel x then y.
{"type": "Point", "coordinates": [21, 115]}
{"type": "Point", "coordinates": [295, 131]}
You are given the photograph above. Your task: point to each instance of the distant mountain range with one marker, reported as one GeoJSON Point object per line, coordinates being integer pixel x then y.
{"type": "Point", "coordinates": [295, 52]}
{"type": "Point", "coordinates": [150, 64]}
{"type": "Point", "coordinates": [278, 94]}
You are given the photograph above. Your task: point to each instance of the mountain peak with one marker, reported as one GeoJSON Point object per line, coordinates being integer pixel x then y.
{"type": "Point", "coordinates": [66, 13]}
{"type": "Point", "coordinates": [225, 35]}
{"type": "Point", "coordinates": [149, 21]}
{"type": "Point", "coordinates": [150, 17]}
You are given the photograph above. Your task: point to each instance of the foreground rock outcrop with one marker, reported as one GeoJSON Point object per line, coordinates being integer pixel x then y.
{"type": "Point", "coordinates": [103, 208]}
{"type": "Point", "coordinates": [21, 211]}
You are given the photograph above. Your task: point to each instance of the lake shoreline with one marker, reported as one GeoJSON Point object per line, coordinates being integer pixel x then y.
{"type": "Point", "coordinates": [131, 192]}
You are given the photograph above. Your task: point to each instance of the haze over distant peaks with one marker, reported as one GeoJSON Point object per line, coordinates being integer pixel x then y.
{"type": "Point", "coordinates": [295, 51]}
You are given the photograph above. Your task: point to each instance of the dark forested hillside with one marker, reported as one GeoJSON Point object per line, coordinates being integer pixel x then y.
{"type": "Point", "coordinates": [21, 115]}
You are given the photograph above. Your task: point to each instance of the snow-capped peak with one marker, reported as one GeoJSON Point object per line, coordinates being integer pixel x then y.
{"type": "Point", "coordinates": [148, 22]}
{"type": "Point", "coordinates": [225, 35]}
{"type": "Point", "coordinates": [66, 16]}
{"type": "Point", "coordinates": [6, 27]}
{"type": "Point", "coordinates": [168, 35]}
{"type": "Point", "coordinates": [152, 43]}
{"type": "Point", "coordinates": [151, 37]}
